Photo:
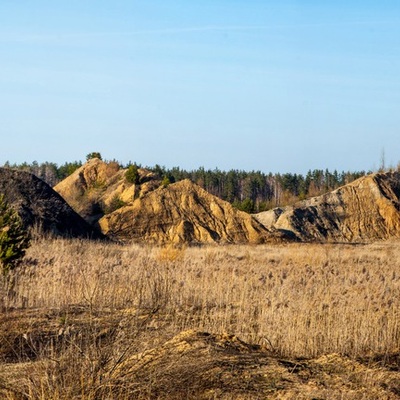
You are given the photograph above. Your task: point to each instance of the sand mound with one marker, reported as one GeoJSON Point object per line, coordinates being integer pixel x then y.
{"type": "Point", "coordinates": [97, 187]}
{"type": "Point", "coordinates": [364, 210]}
{"type": "Point", "coordinates": [201, 365]}
{"type": "Point", "coordinates": [38, 204]}
{"type": "Point", "coordinates": [191, 365]}
{"type": "Point", "coordinates": [183, 213]}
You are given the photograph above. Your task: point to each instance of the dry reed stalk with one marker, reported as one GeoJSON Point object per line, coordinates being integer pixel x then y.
{"type": "Point", "coordinates": [301, 299]}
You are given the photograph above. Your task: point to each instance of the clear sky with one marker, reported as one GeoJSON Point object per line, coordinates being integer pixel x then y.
{"type": "Point", "coordinates": [276, 86]}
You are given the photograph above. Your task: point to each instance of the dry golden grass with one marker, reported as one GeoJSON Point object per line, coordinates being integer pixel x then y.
{"type": "Point", "coordinates": [106, 302]}
{"type": "Point", "coordinates": [302, 299]}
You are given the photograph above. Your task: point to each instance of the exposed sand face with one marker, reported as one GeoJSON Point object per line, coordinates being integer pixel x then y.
{"type": "Point", "coordinates": [179, 213]}
{"type": "Point", "coordinates": [183, 213]}
{"type": "Point", "coordinates": [367, 209]}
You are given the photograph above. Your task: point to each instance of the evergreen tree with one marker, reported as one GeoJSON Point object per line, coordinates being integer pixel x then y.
{"type": "Point", "coordinates": [246, 205]}
{"type": "Point", "coordinates": [94, 154]}
{"type": "Point", "coordinates": [132, 174]}
{"type": "Point", "coordinates": [165, 181]}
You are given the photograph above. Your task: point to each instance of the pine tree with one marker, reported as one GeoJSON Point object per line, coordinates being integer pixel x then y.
{"type": "Point", "coordinates": [94, 154]}
{"type": "Point", "coordinates": [132, 174]}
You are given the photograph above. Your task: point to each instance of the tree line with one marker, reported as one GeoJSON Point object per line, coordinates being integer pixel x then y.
{"type": "Point", "coordinates": [257, 191]}
{"type": "Point", "coordinates": [252, 191]}
{"type": "Point", "coordinates": [50, 172]}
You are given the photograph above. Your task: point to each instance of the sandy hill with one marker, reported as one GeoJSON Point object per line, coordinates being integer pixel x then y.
{"type": "Point", "coordinates": [38, 204]}
{"type": "Point", "coordinates": [97, 187]}
{"type": "Point", "coordinates": [183, 213]}
{"type": "Point", "coordinates": [364, 210]}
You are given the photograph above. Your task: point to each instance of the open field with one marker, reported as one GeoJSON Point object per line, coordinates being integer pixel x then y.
{"type": "Point", "coordinates": [80, 313]}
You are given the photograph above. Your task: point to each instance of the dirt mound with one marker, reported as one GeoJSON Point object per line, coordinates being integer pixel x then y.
{"type": "Point", "coordinates": [202, 365]}
{"type": "Point", "coordinates": [98, 187]}
{"type": "Point", "coordinates": [39, 205]}
{"type": "Point", "coordinates": [366, 209]}
{"type": "Point", "coordinates": [183, 213]}
{"type": "Point", "coordinates": [208, 366]}
{"type": "Point", "coordinates": [43, 352]}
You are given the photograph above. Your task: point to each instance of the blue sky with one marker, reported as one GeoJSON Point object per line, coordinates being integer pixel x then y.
{"type": "Point", "coordinates": [273, 86]}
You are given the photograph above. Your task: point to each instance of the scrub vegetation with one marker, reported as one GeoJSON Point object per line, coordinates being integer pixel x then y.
{"type": "Point", "coordinates": [83, 314]}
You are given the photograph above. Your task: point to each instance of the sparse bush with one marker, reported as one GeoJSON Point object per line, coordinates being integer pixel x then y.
{"type": "Point", "coordinates": [114, 204]}
{"type": "Point", "coordinates": [14, 239]}
{"type": "Point", "coordinates": [167, 180]}
{"type": "Point", "coordinates": [132, 174]}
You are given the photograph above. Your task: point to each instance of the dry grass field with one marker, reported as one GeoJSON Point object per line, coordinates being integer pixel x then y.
{"type": "Point", "coordinates": [82, 314]}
